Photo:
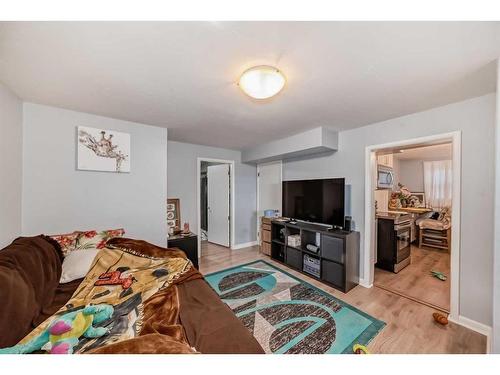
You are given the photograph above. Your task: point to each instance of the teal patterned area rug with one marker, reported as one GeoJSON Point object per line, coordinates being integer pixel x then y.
{"type": "Point", "coordinates": [289, 316]}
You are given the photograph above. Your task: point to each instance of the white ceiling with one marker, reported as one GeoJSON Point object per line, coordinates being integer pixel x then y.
{"type": "Point", "coordinates": [182, 75]}
{"type": "Point", "coordinates": [434, 152]}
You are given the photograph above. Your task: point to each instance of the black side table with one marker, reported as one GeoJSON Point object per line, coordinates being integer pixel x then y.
{"type": "Point", "coordinates": [188, 244]}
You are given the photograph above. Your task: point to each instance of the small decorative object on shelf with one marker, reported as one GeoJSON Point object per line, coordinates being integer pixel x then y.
{"type": "Point", "coordinates": [294, 240]}
{"type": "Point", "coordinates": [404, 195]}
{"type": "Point", "coordinates": [404, 198]}
{"type": "Point", "coordinates": [186, 228]}
{"type": "Point", "coordinates": [312, 248]}
{"type": "Point", "coordinates": [394, 203]}
{"type": "Point", "coordinates": [174, 215]}
{"type": "Point", "coordinates": [417, 200]}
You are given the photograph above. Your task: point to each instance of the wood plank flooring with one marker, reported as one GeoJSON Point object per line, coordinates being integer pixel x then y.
{"type": "Point", "coordinates": [415, 280]}
{"type": "Point", "coordinates": [410, 326]}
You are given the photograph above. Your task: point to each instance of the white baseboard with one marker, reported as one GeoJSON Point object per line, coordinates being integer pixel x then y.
{"type": "Point", "coordinates": [475, 326]}
{"type": "Point", "coordinates": [243, 245]}
{"type": "Point", "coordinates": [365, 283]}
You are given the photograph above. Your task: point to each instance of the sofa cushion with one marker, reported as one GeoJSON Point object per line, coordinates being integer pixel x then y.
{"type": "Point", "coordinates": [76, 265]}
{"type": "Point", "coordinates": [30, 269]}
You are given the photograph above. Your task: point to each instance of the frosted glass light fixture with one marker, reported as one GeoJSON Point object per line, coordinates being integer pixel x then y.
{"type": "Point", "coordinates": [262, 82]}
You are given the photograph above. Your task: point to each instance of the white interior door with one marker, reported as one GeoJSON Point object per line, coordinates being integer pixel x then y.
{"type": "Point", "coordinates": [218, 204]}
{"type": "Point", "coordinates": [269, 189]}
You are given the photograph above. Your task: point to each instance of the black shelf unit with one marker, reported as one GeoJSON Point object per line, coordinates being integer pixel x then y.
{"type": "Point", "coordinates": [338, 252]}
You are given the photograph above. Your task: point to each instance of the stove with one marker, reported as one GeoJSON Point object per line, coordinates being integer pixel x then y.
{"type": "Point", "coordinates": [393, 240]}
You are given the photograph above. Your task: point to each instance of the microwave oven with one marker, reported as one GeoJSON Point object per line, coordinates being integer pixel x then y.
{"type": "Point", "coordinates": [385, 177]}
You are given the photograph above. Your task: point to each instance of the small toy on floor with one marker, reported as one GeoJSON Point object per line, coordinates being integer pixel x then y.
{"type": "Point", "coordinates": [440, 318]}
{"type": "Point", "coordinates": [360, 349]}
{"type": "Point", "coordinates": [439, 275]}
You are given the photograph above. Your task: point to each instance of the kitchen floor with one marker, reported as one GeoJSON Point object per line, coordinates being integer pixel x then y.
{"type": "Point", "coordinates": [416, 282]}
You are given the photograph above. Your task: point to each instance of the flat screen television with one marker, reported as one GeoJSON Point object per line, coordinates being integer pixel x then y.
{"type": "Point", "coordinates": [316, 201]}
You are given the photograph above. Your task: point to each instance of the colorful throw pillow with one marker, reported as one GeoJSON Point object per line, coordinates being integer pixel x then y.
{"type": "Point", "coordinates": [96, 240]}
{"type": "Point", "coordinates": [66, 241]}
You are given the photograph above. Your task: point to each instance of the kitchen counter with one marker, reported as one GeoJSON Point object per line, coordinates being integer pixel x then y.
{"type": "Point", "coordinates": [414, 210]}
{"type": "Point", "coordinates": [390, 215]}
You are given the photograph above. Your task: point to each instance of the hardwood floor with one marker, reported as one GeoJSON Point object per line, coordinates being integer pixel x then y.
{"type": "Point", "coordinates": [410, 326]}
{"type": "Point", "coordinates": [416, 281]}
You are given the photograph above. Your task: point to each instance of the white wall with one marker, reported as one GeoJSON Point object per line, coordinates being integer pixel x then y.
{"type": "Point", "coordinates": [11, 158]}
{"type": "Point", "coordinates": [396, 171]}
{"type": "Point", "coordinates": [57, 198]}
{"type": "Point", "coordinates": [182, 184]}
{"type": "Point", "coordinates": [476, 119]}
{"type": "Point", "coordinates": [411, 174]}
{"type": "Point", "coordinates": [496, 263]}
{"type": "Point", "coordinates": [311, 142]}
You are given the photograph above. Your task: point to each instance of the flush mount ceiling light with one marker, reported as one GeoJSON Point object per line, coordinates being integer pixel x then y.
{"type": "Point", "coordinates": [262, 82]}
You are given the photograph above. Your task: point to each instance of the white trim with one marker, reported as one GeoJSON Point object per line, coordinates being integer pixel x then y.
{"type": "Point", "coordinates": [258, 191]}
{"type": "Point", "coordinates": [198, 197]}
{"type": "Point", "coordinates": [495, 348]}
{"type": "Point", "coordinates": [243, 245]}
{"type": "Point", "coordinates": [369, 245]}
{"type": "Point", "coordinates": [455, 225]}
{"type": "Point", "coordinates": [476, 327]}
{"type": "Point", "coordinates": [365, 284]}
{"type": "Point", "coordinates": [369, 238]}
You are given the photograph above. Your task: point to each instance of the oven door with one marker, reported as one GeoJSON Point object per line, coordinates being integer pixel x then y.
{"type": "Point", "coordinates": [385, 178]}
{"type": "Point", "coordinates": [403, 238]}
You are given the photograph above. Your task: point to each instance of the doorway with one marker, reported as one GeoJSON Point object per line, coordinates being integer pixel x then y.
{"type": "Point", "coordinates": [215, 200]}
{"type": "Point", "coordinates": [420, 190]}
{"type": "Point", "coordinates": [418, 264]}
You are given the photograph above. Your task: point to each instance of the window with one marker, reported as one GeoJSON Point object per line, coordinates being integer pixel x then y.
{"type": "Point", "coordinates": [438, 183]}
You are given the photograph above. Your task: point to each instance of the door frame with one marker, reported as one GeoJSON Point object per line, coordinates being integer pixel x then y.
{"type": "Point", "coordinates": [369, 235]}
{"type": "Point", "coordinates": [258, 192]}
{"type": "Point", "coordinates": [198, 198]}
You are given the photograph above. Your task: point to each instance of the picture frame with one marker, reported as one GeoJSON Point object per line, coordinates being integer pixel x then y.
{"type": "Point", "coordinates": [421, 199]}
{"type": "Point", "coordinates": [173, 213]}
{"type": "Point", "coordinates": [102, 150]}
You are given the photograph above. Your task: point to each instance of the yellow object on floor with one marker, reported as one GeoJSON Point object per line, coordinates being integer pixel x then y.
{"type": "Point", "coordinates": [360, 349]}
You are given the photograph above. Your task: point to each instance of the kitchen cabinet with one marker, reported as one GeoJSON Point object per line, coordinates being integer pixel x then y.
{"type": "Point", "coordinates": [386, 160]}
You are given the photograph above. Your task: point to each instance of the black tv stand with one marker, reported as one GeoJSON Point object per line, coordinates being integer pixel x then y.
{"type": "Point", "coordinates": [338, 254]}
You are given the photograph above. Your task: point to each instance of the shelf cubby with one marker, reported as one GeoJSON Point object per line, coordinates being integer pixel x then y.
{"type": "Point", "coordinates": [338, 252]}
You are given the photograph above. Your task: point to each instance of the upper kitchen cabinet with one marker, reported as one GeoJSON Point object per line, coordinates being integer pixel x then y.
{"type": "Point", "coordinates": [386, 160]}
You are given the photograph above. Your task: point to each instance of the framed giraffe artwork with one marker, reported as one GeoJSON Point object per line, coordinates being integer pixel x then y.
{"type": "Point", "coordinates": [102, 150]}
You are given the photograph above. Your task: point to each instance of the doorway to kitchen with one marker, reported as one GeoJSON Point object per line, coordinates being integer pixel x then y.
{"type": "Point", "coordinates": [412, 242]}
